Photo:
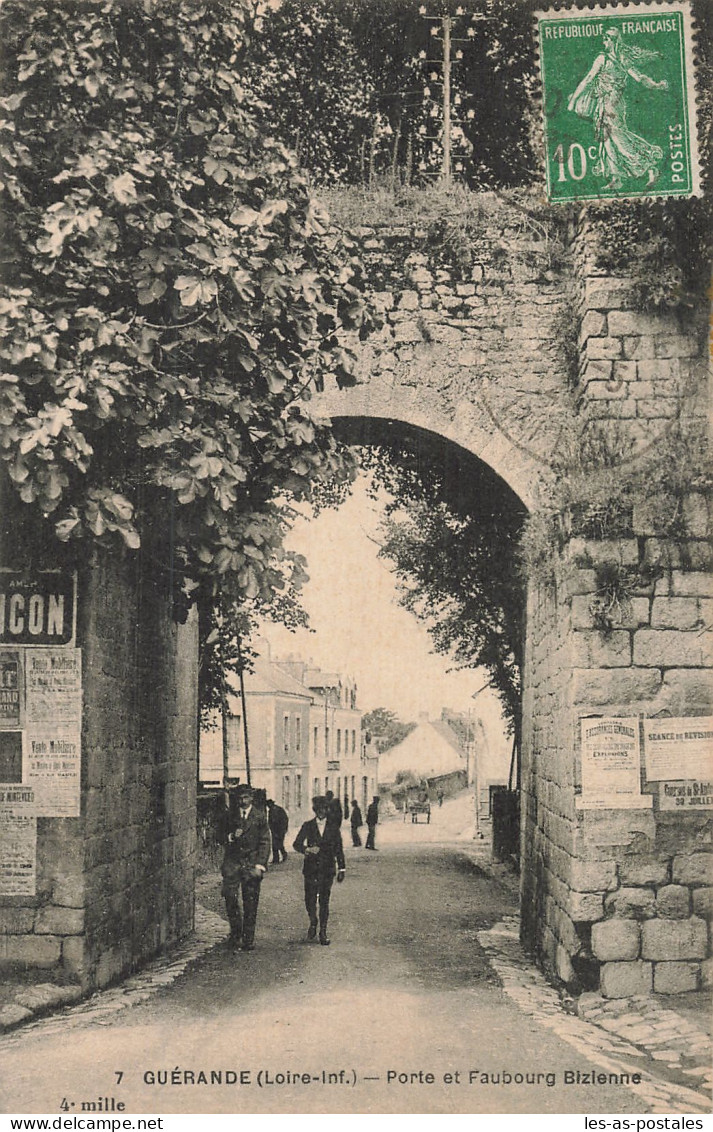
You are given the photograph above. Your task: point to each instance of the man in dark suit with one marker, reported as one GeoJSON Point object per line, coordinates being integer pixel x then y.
{"type": "Point", "coordinates": [372, 820]}
{"type": "Point", "coordinates": [356, 821]}
{"type": "Point", "coordinates": [320, 841]}
{"type": "Point", "coordinates": [247, 852]}
{"type": "Point", "coordinates": [278, 821]}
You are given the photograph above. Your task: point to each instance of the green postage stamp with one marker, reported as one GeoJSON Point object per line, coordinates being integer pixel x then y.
{"type": "Point", "coordinates": [619, 101]}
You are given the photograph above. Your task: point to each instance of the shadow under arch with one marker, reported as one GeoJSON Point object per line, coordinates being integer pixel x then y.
{"type": "Point", "coordinates": [470, 486]}
{"type": "Point", "coordinates": [471, 429]}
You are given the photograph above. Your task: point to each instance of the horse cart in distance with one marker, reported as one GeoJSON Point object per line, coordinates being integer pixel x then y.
{"type": "Point", "coordinates": [417, 804]}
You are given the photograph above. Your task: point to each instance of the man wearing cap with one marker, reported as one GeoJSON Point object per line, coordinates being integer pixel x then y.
{"type": "Point", "coordinates": [320, 841]}
{"type": "Point", "coordinates": [246, 855]}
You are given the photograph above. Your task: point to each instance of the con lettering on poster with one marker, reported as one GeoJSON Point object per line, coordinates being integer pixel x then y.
{"type": "Point", "coordinates": [611, 765]}
{"type": "Point", "coordinates": [18, 841]}
{"type": "Point", "coordinates": [53, 683]}
{"type": "Point", "coordinates": [52, 768]}
{"type": "Point", "coordinates": [10, 689]}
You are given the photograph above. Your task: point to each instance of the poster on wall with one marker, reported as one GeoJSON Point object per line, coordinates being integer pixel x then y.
{"type": "Point", "coordinates": [690, 794]}
{"type": "Point", "coordinates": [611, 765]}
{"type": "Point", "coordinates": [53, 686]}
{"type": "Point", "coordinates": [18, 841]}
{"type": "Point", "coordinates": [10, 689]}
{"type": "Point", "coordinates": [52, 767]}
{"type": "Point", "coordinates": [678, 748]}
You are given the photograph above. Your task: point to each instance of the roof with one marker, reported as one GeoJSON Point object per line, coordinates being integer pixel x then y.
{"type": "Point", "coordinates": [269, 678]}
{"type": "Point", "coordinates": [431, 749]}
{"type": "Point", "coordinates": [446, 732]}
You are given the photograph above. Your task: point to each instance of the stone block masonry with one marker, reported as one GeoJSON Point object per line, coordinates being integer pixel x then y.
{"type": "Point", "coordinates": [115, 885]}
{"type": "Point", "coordinates": [625, 894]}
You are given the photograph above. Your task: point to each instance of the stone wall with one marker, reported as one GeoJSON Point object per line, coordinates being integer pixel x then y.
{"type": "Point", "coordinates": [622, 898]}
{"type": "Point", "coordinates": [475, 342]}
{"type": "Point", "coordinates": [115, 884]}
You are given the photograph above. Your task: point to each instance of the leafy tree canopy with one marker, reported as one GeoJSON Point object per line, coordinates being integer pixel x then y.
{"type": "Point", "coordinates": [357, 84]}
{"type": "Point", "coordinates": [452, 533]}
{"type": "Point", "coordinates": [319, 97]}
{"type": "Point", "coordinates": [170, 291]}
{"type": "Point", "coordinates": [386, 728]}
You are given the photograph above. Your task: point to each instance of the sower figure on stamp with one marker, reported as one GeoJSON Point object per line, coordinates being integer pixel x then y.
{"type": "Point", "coordinates": [278, 821]}
{"type": "Point", "coordinates": [601, 95]}
{"type": "Point", "coordinates": [246, 855]}
{"type": "Point", "coordinates": [320, 841]}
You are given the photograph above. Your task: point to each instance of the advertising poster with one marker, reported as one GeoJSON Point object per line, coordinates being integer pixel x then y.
{"type": "Point", "coordinates": [10, 689]}
{"type": "Point", "coordinates": [53, 682]}
{"type": "Point", "coordinates": [678, 748]}
{"type": "Point", "coordinates": [18, 841]}
{"type": "Point", "coordinates": [52, 768]}
{"type": "Point", "coordinates": [691, 794]}
{"type": "Point", "coordinates": [611, 765]}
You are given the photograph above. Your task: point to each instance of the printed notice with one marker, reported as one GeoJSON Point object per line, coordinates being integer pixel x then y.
{"type": "Point", "coordinates": [611, 765]}
{"type": "Point", "coordinates": [694, 794]}
{"type": "Point", "coordinates": [676, 749]}
{"type": "Point", "coordinates": [10, 684]}
{"type": "Point", "coordinates": [53, 683]}
{"type": "Point", "coordinates": [18, 841]}
{"type": "Point", "coordinates": [52, 765]}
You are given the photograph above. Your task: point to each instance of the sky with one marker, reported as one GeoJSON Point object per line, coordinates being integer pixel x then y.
{"type": "Point", "coordinates": [360, 630]}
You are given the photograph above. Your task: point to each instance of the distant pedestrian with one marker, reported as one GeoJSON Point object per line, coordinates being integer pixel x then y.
{"type": "Point", "coordinates": [321, 843]}
{"type": "Point", "coordinates": [356, 822]}
{"type": "Point", "coordinates": [278, 822]}
{"type": "Point", "coordinates": [372, 820]}
{"type": "Point", "coordinates": [334, 807]}
{"type": "Point", "coordinates": [246, 855]}
{"type": "Point", "coordinates": [440, 798]}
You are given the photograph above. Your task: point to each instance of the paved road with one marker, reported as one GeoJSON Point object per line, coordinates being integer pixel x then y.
{"type": "Point", "coordinates": [405, 988]}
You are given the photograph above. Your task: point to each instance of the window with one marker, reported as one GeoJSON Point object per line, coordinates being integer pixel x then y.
{"type": "Point", "coordinates": [298, 732]}
{"type": "Point", "coordinates": [326, 783]}
{"type": "Point", "coordinates": [353, 742]}
{"type": "Point", "coordinates": [286, 791]}
{"type": "Point", "coordinates": [315, 738]}
{"type": "Point", "coordinates": [286, 734]}
{"type": "Point", "coordinates": [353, 788]}
{"type": "Point", "coordinates": [315, 788]}
{"type": "Point", "coordinates": [339, 741]}
{"type": "Point", "coordinates": [326, 742]}
{"type": "Point", "coordinates": [235, 734]}
{"type": "Point", "coordinates": [298, 791]}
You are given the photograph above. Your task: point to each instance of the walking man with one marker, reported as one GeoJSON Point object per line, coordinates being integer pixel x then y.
{"type": "Point", "coordinates": [278, 822]}
{"type": "Point", "coordinates": [246, 855]}
{"type": "Point", "coordinates": [372, 819]}
{"type": "Point", "coordinates": [356, 821]}
{"type": "Point", "coordinates": [320, 841]}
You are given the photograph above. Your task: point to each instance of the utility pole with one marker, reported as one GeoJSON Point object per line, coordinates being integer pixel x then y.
{"type": "Point", "coordinates": [446, 169]}
{"type": "Point", "coordinates": [245, 714]}
{"type": "Point", "coordinates": [447, 27]}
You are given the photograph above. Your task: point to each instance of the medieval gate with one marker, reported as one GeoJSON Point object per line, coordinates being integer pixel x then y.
{"type": "Point", "coordinates": [499, 352]}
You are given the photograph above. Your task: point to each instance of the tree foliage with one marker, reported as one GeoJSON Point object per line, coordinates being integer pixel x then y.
{"type": "Point", "coordinates": [170, 291]}
{"type": "Point", "coordinates": [319, 97]}
{"type": "Point", "coordinates": [452, 535]}
{"type": "Point", "coordinates": [386, 728]}
{"type": "Point", "coordinates": [358, 84]}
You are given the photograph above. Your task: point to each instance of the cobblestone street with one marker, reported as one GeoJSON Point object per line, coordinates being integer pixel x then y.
{"type": "Point", "coordinates": [425, 960]}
